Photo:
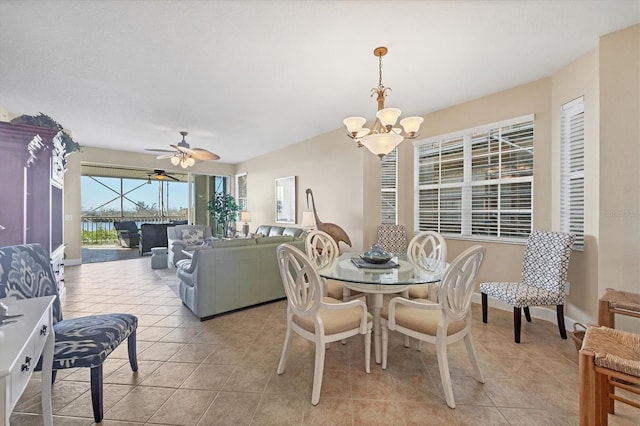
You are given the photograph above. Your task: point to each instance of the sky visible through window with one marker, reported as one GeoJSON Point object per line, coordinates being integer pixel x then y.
{"type": "Point", "coordinates": [98, 196]}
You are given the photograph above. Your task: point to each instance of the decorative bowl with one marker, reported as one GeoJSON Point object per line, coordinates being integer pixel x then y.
{"type": "Point", "coordinates": [376, 257]}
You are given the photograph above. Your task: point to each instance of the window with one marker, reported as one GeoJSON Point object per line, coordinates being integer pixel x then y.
{"type": "Point", "coordinates": [241, 191]}
{"type": "Point", "coordinates": [572, 170]}
{"type": "Point", "coordinates": [477, 182]}
{"type": "Point", "coordinates": [388, 185]}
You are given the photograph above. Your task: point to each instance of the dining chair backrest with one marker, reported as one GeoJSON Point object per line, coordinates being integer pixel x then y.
{"type": "Point", "coordinates": [321, 248]}
{"type": "Point", "coordinates": [546, 260]}
{"type": "Point", "coordinates": [458, 283]}
{"type": "Point", "coordinates": [300, 279]}
{"type": "Point", "coordinates": [427, 245]}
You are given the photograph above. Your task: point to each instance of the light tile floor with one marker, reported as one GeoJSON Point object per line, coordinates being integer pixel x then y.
{"type": "Point", "coordinates": [223, 371]}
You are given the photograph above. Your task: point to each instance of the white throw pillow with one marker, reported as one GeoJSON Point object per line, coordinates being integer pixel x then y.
{"type": "Point", "coordinates": [192, 237]}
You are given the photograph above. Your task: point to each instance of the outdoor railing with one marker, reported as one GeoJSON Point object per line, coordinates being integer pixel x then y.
{"type": "Point", "coordinates": [100, 229]}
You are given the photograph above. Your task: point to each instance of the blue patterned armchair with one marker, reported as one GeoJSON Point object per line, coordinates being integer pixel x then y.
{"type": "Point", "coordinates": [25, 272]}
{"type": "Point", "coordinates": [544, 280]}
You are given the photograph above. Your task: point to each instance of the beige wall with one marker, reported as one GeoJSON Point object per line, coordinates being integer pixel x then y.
{"type": "Point", "coordinates": [619, 204]}
{"type": "Point", "coordinates": [72, 185]}
{"type": "Point", "coordinates": [330, 165]}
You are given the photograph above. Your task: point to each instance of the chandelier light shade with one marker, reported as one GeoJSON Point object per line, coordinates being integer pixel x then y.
{"type": "Point", "coordinates": [382, 137]}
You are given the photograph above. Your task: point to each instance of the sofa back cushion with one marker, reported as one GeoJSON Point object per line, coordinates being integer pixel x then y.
{"type": "Point", "coordinates": [275, 231]}
{"type": "Point", "coordinates": [292, 232]}
{"type": "Point", "coordinates": [263, 230]}
{"type": "Point", "coordinates": [237, 242]}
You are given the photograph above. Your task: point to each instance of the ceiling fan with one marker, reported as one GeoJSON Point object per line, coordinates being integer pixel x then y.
{"type": "Point", "coordinates": [182, 154]}
{"type": "Point", "coordinates": [161, 175]}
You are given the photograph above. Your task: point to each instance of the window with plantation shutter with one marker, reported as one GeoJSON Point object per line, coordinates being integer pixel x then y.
{"type": "Point", "coordinates": [477, 182]}
{"type": "Point", "coordinates": [388, 188]}
{"type": "Point", "coordinates": [572, 170]}
{"type": "Point", "coordinates": [241, 191]}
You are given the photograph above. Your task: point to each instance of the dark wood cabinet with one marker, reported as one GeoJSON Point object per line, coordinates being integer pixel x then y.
{"type": "Point", "coordinates": [32, 190]}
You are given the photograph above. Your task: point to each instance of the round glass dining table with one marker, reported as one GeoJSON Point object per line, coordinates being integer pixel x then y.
{"type": "Point", "coordinates": [376, 281]}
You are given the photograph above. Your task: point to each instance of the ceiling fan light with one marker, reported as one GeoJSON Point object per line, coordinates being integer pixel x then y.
{"type": "Point", "coordinates": [184, 164]}
{"type": "Point", "coordinates": [411, 125]}
{"type": "Point", "coordinates": [175, 160]}
{"type": "Point", "coordinates": [190, 161]}
{"type": "Point", "coordinates": [381, 144]}
{"type": "Point", "coordinates": [388, 116]}
{"type": "Point", "coordinates": [354, 124]}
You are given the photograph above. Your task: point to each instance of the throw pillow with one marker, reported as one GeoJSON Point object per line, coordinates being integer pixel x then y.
{"type": "Point", "coordinates": [192, 237]}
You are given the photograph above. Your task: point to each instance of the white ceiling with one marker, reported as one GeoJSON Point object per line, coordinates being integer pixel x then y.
{"type": "Point", "coordinates": [249, 77]}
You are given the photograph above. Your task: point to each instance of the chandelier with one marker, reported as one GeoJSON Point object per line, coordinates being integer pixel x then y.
{"type": "Point", "coordinates": [382, 137]}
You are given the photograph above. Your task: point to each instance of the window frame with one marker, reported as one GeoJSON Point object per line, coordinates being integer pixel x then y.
{"type": "Point", "coordinates": [391, 189]}
{"type": "Point", "coordinates": [243, 202]}
{"type": "Point", "coordinates": [466, 185]}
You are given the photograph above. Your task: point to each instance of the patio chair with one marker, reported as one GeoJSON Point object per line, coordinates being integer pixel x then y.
{"type": "Point", "coordinates": [128, 234]}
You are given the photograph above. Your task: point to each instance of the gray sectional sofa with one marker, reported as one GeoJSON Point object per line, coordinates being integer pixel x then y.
{"type": "Point", "coordinates": [233, 274]}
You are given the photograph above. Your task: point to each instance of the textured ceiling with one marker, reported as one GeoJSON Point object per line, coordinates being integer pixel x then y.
{"type": "Point", "coordinates": [248, 77]}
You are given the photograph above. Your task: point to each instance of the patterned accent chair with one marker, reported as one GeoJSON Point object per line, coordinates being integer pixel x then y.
{"type": "Point", "coordinates": [185, 237]}
{"type": "Point", "coordinates": [544, 279]}
{"type": "Point", "coordinates": [80, 342]}
{"type": "Point", "coordinates": [393, 238]}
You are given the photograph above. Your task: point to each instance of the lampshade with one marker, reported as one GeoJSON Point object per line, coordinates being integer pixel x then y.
{"type": "Point", "coordinates": [388, 116]}
{"type": "Point", "coordinates": [245, 216]}
{"type": "Point", "coordinates": [175, 160]}
{"type": "Point", "coordinates": [382, 143]}
{"type": "Point", "coordinates": [308, 221]}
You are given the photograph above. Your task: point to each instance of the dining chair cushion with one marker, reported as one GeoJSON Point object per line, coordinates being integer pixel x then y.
{"type": "Point", "coordinates": [422, 320]}
{"type": "Point", "coordinates": [520, 295]}
{"type": "Point", "coordinates": [87, 341]}
{"type": "Point", "coordinates": [419, 291]}
{"type": "Point", "coordinates": [335, 289]}
{"type": "Point", "coordinates": [334, 321]}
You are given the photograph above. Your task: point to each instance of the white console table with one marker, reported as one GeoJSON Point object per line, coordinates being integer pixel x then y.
{"type": "Point", "coordinates": [21, 344]}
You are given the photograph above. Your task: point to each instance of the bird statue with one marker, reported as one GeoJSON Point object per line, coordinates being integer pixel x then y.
{"type": "Point", "coordinates": [338, 234]}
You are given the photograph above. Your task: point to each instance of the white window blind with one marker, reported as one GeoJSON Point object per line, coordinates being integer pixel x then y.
{"type": "Point", "coordinates": [572, 170]}
{"type": "Point", "coordinates": [241, 191]}
{"type": "Point", "coordinates": [477, 182]}
{"type": "Point", "coordinates": [388, 188]}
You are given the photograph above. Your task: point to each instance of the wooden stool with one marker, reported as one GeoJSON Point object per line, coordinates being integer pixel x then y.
{"type": "Point", "coordinates": [607, 357]}
{"type": "Point", "coordinates": [617, 302]}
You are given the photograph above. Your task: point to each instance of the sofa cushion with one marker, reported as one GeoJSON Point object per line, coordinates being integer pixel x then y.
{"type": "Point", "coordinates": [292, 232]}
{"type": "Point", "coordinates": [275, 231]}
{"type": "Point", "coordinates": [192, 237]}
{"type": "Point", "coordinates": [237, 242]}
{"type": "Point", "coordinates": [278, 239]}
{"type": "Point", "coordinates": [263, 230]}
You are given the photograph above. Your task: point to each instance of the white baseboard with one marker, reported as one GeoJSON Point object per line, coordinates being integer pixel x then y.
{"type": "Point", "coordinates": [72, 262]}
{"type": "Point", "coordinates": [536, 311]}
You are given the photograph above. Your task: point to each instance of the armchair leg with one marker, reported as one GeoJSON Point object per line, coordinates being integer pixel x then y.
{"type": "Point", "coordinates": [96, 392]}
{"type": "Point", "coordinates": [53, 376]}
{"type": "Point", "coordinates": [527, 314]}
{"type": "Point", "coordinates": [517, 323]}
{"type": "Point", "coordinates": [560, 315]}
{"type": "Point", "coordinates": [485, 303]}
{"type": "Point", "coordinates": [131, 346]}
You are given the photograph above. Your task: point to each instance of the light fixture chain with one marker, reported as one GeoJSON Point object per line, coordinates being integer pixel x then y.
{"type": "Point", "coordinates": [380, 71]}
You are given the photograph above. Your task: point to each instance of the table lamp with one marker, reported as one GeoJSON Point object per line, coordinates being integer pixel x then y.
{"type": "Point", "coordinates": [308, 221]}
{"type": "Point", "coordinates": [245, 217]}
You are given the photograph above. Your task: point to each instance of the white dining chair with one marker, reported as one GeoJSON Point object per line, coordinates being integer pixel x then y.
{"type": "Point", "coordinates": [426, 250]}
{"type": "Point", "coordinates": [316, 318]}
{"type": "Point", "coordinates": [322, 250]}
{"type": "Point", "coordinates": [442, 323]}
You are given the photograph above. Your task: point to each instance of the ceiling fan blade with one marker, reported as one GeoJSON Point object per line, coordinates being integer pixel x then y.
{"type": "Point", "coordinates": [165, 156]}
{"type": "Point", "coordinates": [158, 150]}
{"type": "Point", "coordinates": [171, 177]}
{"type": "Point", "coordinates": [204, 155]}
